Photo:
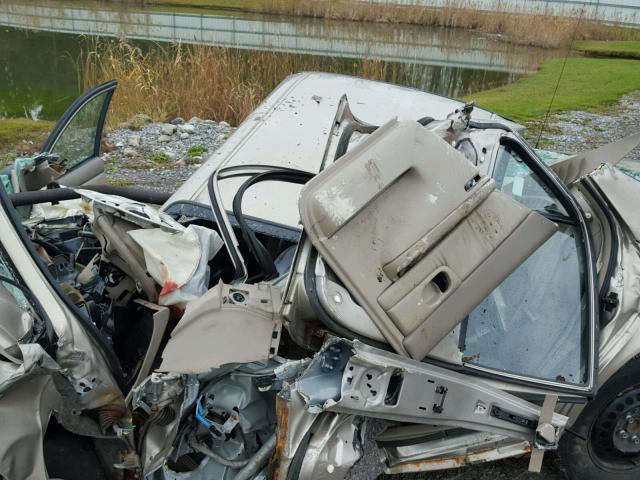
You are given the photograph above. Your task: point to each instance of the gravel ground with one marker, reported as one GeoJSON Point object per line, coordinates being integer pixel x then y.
{"type": "Point", "coordinates": [573, 132]}
{"type": "Point", "coordinates": [134, 152]}
{"type": "Point", "coordinates": [160, 156]}
{"type": "Point", "coordinates": [569, 132]}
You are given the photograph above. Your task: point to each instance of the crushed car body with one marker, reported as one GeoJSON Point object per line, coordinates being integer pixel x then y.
{"type": "Point", "coordinates": [360, 267]}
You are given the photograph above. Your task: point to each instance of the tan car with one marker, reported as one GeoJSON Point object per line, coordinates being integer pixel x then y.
{"type": "Point", "coordinates": [360, 267]}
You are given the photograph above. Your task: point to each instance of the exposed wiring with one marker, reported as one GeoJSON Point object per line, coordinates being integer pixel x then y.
{"type": "Point", "coordinates": [200, 414]}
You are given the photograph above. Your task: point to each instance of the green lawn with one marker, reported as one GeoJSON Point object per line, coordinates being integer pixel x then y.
{"type": "Point", "coordinates": [14, 131]}
{"type": "Point", "coordinates": [587, 83]}
{"type": "Point", "coordinates": [621, 49]}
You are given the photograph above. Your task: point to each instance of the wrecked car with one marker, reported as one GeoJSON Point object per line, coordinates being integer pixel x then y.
{"type": "Point", "coordinates": [361, 267]}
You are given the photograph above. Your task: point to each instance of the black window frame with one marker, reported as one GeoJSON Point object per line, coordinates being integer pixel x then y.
{"type": "Point", "coordinates": [577, 218]}
{"type": "Point", "coordinates": [78, 104]}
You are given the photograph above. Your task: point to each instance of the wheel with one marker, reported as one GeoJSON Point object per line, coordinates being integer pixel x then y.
{"type": "Point", "coordinates": [610, 429]}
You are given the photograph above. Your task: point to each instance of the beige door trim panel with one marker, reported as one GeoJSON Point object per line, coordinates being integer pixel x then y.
{"type": "Point", "coordinates": [413, 231]}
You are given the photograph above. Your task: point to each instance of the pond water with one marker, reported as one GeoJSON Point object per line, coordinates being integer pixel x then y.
{"type": "Point", "coordinates": [40, 44]}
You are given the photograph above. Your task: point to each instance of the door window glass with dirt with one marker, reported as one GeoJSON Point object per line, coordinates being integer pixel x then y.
{"type": "Point", "coordinates": [515, 178]}
{"type": "Point", "coordinates": [78, 140]}
{"type": "Point", "coordinates": [534, 323]}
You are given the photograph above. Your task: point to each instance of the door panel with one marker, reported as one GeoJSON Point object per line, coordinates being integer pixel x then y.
{"type": "Point", "coordinates": [415, 233]}
{"type": "Point", "coordinates": [77, 136]}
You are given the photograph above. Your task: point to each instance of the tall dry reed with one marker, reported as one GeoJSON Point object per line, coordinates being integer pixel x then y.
{"type": "Point", "coordinates": [186, 80]}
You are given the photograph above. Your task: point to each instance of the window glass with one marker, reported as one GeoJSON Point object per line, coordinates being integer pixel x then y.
{"type": "Point", "coordinates": [16, 311]}
{"type": "Point", "coordinates": [77, 142]}
{"type": "Point", "coordinates": [7, 272]}
{"type": "Point", "coordinates": [515, 178]}
{"type": "Point", "coordinates": [534, 323]}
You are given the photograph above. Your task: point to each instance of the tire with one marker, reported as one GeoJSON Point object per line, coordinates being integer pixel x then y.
{"type": "Point", "coordinates": [601, 444]}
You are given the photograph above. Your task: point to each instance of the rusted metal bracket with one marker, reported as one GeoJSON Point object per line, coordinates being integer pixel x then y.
{"type": "Point", "coordinates": [546, 435]}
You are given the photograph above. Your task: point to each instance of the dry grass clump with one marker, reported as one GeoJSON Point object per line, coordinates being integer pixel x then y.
{"type": "Point", "coordinates": [542, 30]}
{"type": "Point", "coordinates": [196, 80]}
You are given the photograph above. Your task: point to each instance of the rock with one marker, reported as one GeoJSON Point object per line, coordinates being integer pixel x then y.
{"type": "Point", "coordinates": [192, 160]}
{"type": "Point", "coordinates": [184, 136]}
{"type": "Point", "coordinates": [164, 138]}
{"type": "Point", "coordinates": [195, 120]}
{"type": "Point", "coordinates": [134, 140]}
{"type": "Point", "coordinates": [137, 121]}
{"type": "Point", "coordinates": [129, 152]}
{"type": "Point", "coordinates": [209, 122]}
{"type": "Point", "coordinates": [177, 121]}
{"type": "Point", "coordinates": [170, 155]}
{"type": "Point", "coordinates": [119, 144]}
{"type": "Point", "coordinates": [168, 129]}
{"type": "Point", "coordinates": [187, 128]}
{"type": "Point", "coordinates": [224, 124]}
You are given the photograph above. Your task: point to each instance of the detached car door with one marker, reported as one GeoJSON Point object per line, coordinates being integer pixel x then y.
{"type": "Point", "coordinates": [415, 233]}
{"type": "Point", "coordinates": [422, 240]}
{"type": "Point", "coordinates": [71, 153]}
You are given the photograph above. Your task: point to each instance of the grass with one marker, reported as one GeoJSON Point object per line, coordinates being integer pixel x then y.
{"type": "Point", "coordinates": [158, 157]}
{"type": "Point", "coordinates": [196, 151]}
{"type": "Point", "coordinates": [227, 84]}
{"type": "Point", "coordinates": [536, 30]}
{"type": "Point", "coordinates": [22, 136]}
{"type": "Point", "coordinates": [620, 49]}
{"type": "Point", "coordinates": [586, 84]}
{"type": "Point", "coordinates": [195, 80]}
{"type": "Point", "coordinates": [119, 182]}
{"type": "Point", "coordinates": [7, 159]}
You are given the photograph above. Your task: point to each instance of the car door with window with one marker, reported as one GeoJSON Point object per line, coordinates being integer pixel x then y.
{"type": "Point", "coordinates": [71, 154]}
{"type": "Point", "coordinates": [538, 325]}
{"type": "Point", "coordinates": [506, 261]}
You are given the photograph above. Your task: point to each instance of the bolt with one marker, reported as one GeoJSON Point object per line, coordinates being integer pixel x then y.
{"type": "Point", "coordinates": [623, 434]}
{"type": "Point", "coordinates": [337, 298]}
{"type": "Point", "coordinates": [636, 439]}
